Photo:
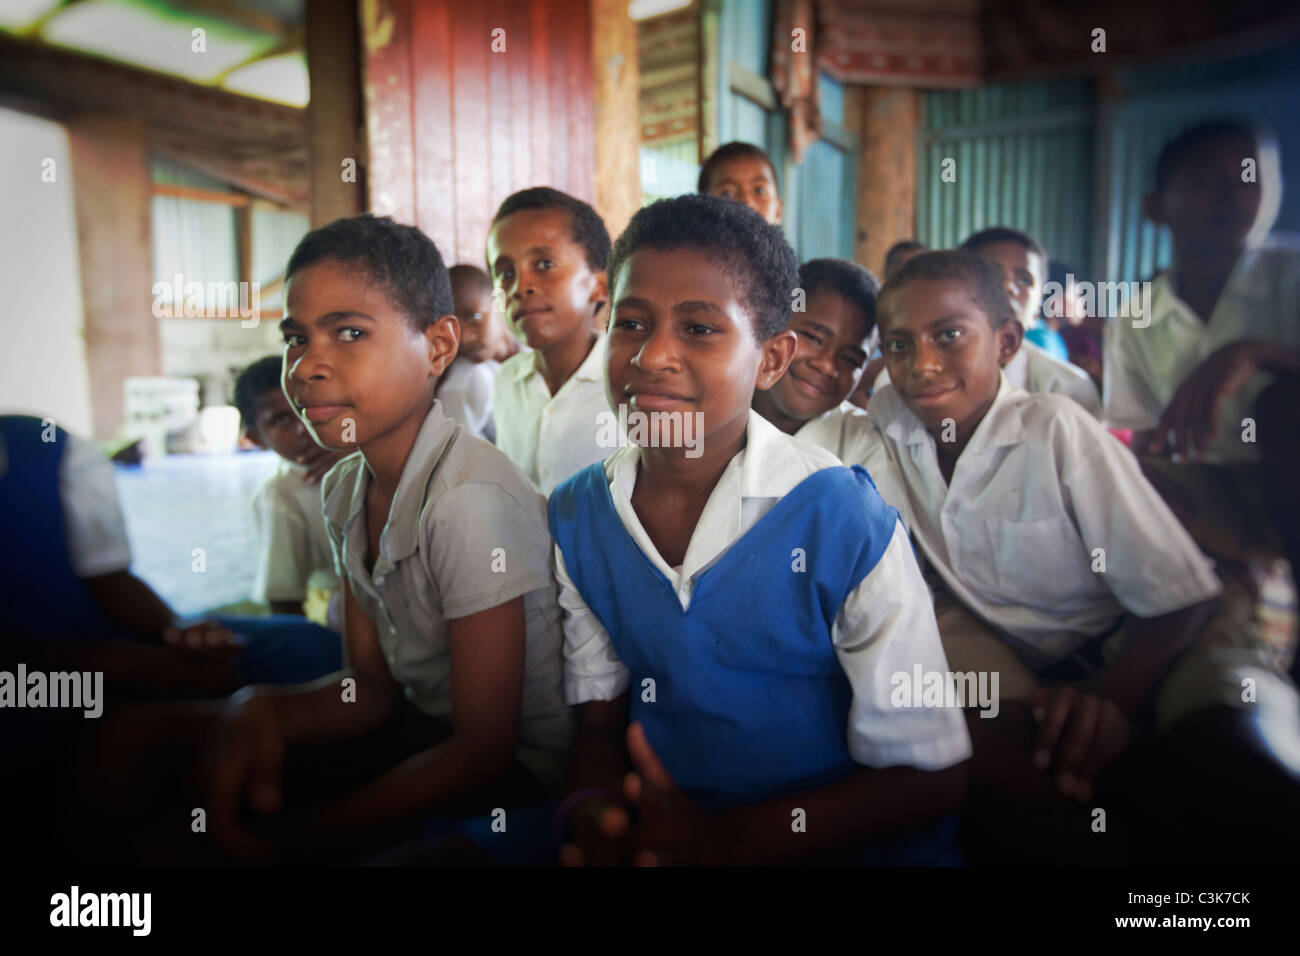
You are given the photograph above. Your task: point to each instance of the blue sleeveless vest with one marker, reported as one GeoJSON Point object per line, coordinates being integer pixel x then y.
{"type": "Point", "coordinates": [749, 699]}
{"type": "Point", "coordinates": [40, 593]}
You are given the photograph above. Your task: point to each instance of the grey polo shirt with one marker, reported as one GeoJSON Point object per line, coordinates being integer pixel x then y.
{"type": "Point", "coordinates": [466, 532]}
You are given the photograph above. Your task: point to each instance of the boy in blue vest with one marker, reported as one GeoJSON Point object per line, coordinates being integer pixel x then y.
{"type": "Point", "coordinates": [736, 605]}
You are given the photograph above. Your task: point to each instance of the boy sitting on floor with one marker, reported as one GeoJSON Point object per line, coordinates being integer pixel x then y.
{"type": "Point", "coordinates": [1041, 527]}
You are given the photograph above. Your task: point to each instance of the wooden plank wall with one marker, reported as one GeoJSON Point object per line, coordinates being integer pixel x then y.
{"type": "Point", "coordinates": [454, 126]}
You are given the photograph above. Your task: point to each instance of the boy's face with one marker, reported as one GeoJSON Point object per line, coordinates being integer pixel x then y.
{"type": "Point", "coordinates": [943, 354]}
{"type": "Point", "coordinates": [748, 179]}
{"type": "Point", "coordinates": [828, 360]}
{"type": "Point", "coordinates": [473, 308]}
{"type": "Point", "coordinates": [1205, 203]}
{"type": "Point", "coordinates": [355, 366]}
{"type": "Point", "coordinates": [551, 291]}
{"type": "Point", "coordinates": [278, 428]}
{"type": "Point", "coordinates": [682, 340]}
{"type": "Point", "coordinates": [1022, 274]}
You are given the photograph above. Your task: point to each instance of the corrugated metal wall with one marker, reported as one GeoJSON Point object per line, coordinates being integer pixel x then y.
{"type": "Point", "coordinates": [1158, 101]}
{"type": "Point", "coordinates": [1023, 158]}
{"type": "Point", "coordinates": [819, 197]}
{"type": "Point", "coordinates": [192, 238]}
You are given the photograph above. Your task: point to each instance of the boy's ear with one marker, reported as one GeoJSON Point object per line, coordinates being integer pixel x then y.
{"type": "Point", "coordinates": [443, 339]}
{"type": "Point", "coordinates": [248, 438]}
{"type": "Point", "coordinates": [1009, 335]}
{"type": "Point", "coordinates": [780, 209]}
{"type": "Point", "coordinates": [778, 352]}
{"type": "Point", "coordinates": [600, 291]}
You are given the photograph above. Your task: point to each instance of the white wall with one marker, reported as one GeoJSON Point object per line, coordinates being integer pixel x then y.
{"type": "Point", "coordinates": [43, 354]}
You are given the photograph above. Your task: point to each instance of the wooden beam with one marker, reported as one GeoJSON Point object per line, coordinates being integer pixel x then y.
{"type": "Point", "coordinates": [617, 113]}
{"type": "Point", "coordinates": [886, 205]}
{"type": "Point", "coordinates": [111, 190]}
{"type": "Point", "coordinates": [78, 83]}
{"type": "Point", "coordinates": [334, 115]}
{"type": "Point", "coordinates": [238, 200]}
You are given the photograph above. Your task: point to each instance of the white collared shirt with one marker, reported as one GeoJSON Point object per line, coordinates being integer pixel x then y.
{"type": "Point", "coordinates": [466, 395]}
{"type": "Point", "coordinates": [885, 626]}
{"type": "Point", "coordinates": [550, 437]}
{"type": "Point", "coordinates": [1145, 365]}
{"type": "Point", "coordinates": [1042, 499]}
{"type": "Point", "coordinates": [291, 535]}
{"type": "Point", "coordinates": [1033, 370]}
{"type": "Point", "coordinates": [850, 434]}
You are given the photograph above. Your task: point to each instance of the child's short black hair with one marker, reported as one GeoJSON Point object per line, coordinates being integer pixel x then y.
{"type": "Point", "coordinates": [754, 254]}
{"type": "Point", "coordinates": [981, 277]}
{"type": "Point", "coordinates": [400, 259]}
{"type": "Point", "coordinates": [846, 279]}
{"type": "Point", "coordinates": [251, 384]}
{"type": "Point", "coordinates": [898, 250]}
{"type": "Point", "coordinates": [727, 152]}
{"type": "Point", "coordinates": [1191, 140]}
{"type": "Point", "coordinates": [986, 237]}
{"type": "Point", "coordinates": [469, 277]}
{"type": "Point", "coordinates": [587, 227]}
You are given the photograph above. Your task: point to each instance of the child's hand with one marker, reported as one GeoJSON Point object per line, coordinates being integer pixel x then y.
{"type": "Point", "coordinates": [1078, 735]}
{"type": "Point", "coordinates": [600, 835]}
{"type": "Point", "coordinates": [203, 636]}
{"type": "Point", "coordinates": [1194, 411]}
{"type": "Point", "coordinates": [671, 829]}
{"type": "Point", "coordinates": [246, 757]}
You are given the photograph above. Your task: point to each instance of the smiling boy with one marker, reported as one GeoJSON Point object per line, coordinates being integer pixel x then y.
{"type": "Point", "coordinates": [698, 590]}
{"type": "Point", "coordinates": [1040, 524]}
{"type": "Point", "coordinates": [810, 402]}
{"type": "Point", "coordinates": [546, 253]}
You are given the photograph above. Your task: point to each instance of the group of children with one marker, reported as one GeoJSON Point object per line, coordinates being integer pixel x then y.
{"type": "Point", "coordinates": [558, 650]}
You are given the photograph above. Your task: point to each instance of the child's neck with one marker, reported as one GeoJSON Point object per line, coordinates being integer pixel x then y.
{"type": "Point", "coordinates": [386, 455]}
{"type": "Point", "coordinates": [948, 452]}
{"type": "Point", "coordinates": [671, 491]}
{"type": "Point", "coordinates": [559, 361]}
{"type": "Point", "coordinates": [1200, 274]}
{"type": "Point", "coordinates": [765, 406]}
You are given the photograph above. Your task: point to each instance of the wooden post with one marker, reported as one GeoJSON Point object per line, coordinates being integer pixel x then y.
{"type": "Point", "coordinates": [886, 206]}
{"type": "Point", "coordinates": [334, 113]}
{"type": "Point", "coordinates": [617, 113]}
{"type": "Point", "coordinates": [112, 194]}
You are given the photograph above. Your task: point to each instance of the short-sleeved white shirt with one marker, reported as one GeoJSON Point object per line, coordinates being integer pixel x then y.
{"type": "Point", "coordinates": [850, 434]}
{"type": "Point", "coordinates": [97, 542]}
{"type": "Point", "coordinates": [292, 541]}
{"type": "Point", "coordinates": [1145, 365]}
{"type": "Point", "coordinates": [1034, 371]}
{"type": "Point", "coordinates": [1040, 496]}
{"type": "Point", "coordinates": [551, 437]}
{"type": "Point", "coordinates": [885, 626]}
{"type": "Point", "coordinates": [466, 532]}
{"type": "Point", "coordinates": [466, 395]}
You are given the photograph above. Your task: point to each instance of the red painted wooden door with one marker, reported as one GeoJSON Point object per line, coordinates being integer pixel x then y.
{"type": "Point", "coordinates": [467, 102]}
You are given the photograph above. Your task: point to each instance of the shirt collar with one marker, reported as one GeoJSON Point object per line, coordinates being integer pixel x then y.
{"type": "Point", "coordinates": [592, 368]}
{"type": "Point", "coordinates": [1002, 424]}
{"type": "Point", "coordinates": [401, 533]}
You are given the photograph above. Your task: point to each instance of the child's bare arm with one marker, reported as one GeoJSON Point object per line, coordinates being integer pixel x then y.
{"type": "Point", "coordinates": [320, 710]}
{"type": "Point", "coordinates": [1150, 647]}
{"type": "Point", "coordinates": [864, 806]}
{"type": "Point", "coordinates": [487, 674]}
{"type": "Point", "coordinates": [130, 601]}
{"type": "Point", "coordinates": [598, 825]}
{"type": "Point", "coordinates": [867, 804]}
